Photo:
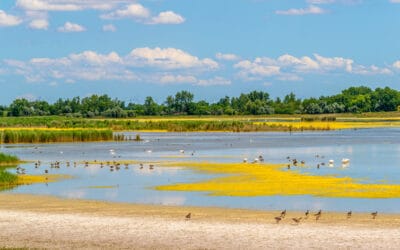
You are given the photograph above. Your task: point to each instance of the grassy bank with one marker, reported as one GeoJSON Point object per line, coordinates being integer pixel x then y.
{"type": "Point", "coordinates": [20, 135]}
{"type": "Point", "coordinates": [8, 159]}
{"type": "Point", "coordinates": [191, 123]}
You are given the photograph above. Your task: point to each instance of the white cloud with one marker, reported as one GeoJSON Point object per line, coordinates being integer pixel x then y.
{"type": "Point", "coordinates": [396, 64]}
{"type": "Point", "coordinates": [167, 17]}
{"type": "Point", "coordinates": [135, 11]}
{"type": "Point", "coordinates": [310, 10]}
{"type": "Point", "coordinates": [9, 20]}
{"type": "Point", "coordinates": [394, 1]}
{"type": "Point", "coordinates": [227, 57]}
{"type": "Point", "coordinates": [169, 58]}
{"type": "Point", "coordinates": [178, 79]}
{"type": "Point", "coordinates": [370, 70]}
{"type": "Point", "coordinates": [214, 81]}
{"type": "Point", "coordinates": [142, 64]}
{"type": "Point", "coordinates": [39, 24]}
{"type": "Point", "coordinates": [109, 28]}
{"type": "Point", "coordinates": [291, 68]}
{"type": "Point", "coordinates": [65, 5]}
{"type": "Point", "coordinates": [71, 27]}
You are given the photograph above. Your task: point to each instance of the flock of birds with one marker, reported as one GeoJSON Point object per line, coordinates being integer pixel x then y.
{"type": "Point", "coordinates": [317, 216]}
{"type": "Point", "coordinates": [297, 220]}
{"type": "Point", "coordinates": [293, 162]}
{"type": "Point", "coordinates": [112, 165]}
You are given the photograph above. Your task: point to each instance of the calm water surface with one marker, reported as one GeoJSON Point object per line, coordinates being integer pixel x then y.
{"type": "Point", "coordinates": [374, 155]}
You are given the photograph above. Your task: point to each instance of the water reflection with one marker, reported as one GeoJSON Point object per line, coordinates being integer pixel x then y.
{"type": "Point", "coordinates": [373, 154]}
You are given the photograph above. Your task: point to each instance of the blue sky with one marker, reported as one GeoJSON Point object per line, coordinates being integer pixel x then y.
{"type": "Point", "coordinates": [132, 49]}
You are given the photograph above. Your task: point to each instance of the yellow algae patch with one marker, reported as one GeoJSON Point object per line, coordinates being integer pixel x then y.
{"type": "Point", "coordinates": [32, 179]}
{"type": "Point", "coordinates": [244, 179]}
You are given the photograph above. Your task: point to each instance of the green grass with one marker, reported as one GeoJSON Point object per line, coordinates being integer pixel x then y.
{"type": "Point", "coordinates": [168, 123]}
{"type": "Point", "coordinates": [52, 135]}
{"type": "Point", "coordinates": [8, 159]}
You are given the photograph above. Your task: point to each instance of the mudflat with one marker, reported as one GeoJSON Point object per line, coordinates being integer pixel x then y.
{"type": "Point", "coordinates": [30, 221]}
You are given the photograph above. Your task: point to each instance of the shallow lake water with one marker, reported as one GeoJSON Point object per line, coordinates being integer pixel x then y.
{"type": "Point", "coordinates": [374, 158]}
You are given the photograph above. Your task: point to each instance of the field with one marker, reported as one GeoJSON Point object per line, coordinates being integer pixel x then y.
{"type": "Point", "coordinates": [201, 123]}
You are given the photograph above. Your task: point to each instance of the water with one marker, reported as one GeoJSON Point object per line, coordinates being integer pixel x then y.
{"type": "Point", "coordinates": [374, 155]}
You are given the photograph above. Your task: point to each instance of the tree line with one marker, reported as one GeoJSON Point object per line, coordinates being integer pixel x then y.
{"type": "Point", "coordinates": [350, 100]}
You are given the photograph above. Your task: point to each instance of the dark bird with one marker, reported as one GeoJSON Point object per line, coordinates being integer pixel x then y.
{"type": "Point", "coordinates": [307, 213]}
{"type": "Point", "coordinates": [283, 213]}
{"type": "Point", "coordinates": [374, 214]}
{"type": "Point", "coordinates": [278, 219]}
{"type": "Point", "coordinates": [188, 216]}
{"type": "Point", "coordinates": [297, 220]}
{"type": "Point", "coordinates": [319, 213]}
{"type": "Point", "coordinates": [288, 166]}
{"type": "Point", "coordinates": [318, 166]}
{"type": "Point", "coordinates": [349, 214]}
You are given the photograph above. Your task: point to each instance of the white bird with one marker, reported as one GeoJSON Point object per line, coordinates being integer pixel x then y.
{"type": "Point", "coordinates": [331, 161]}
{"type": "Point", "coordinates": [244, 160]}
{"type": "Point", "coordinates": [182, 151]}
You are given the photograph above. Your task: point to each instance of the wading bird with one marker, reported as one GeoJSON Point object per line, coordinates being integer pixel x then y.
{"type": "Point", "coordinates": [188, 216]}
{"type": "Point", "coordinates": [349, 214]}
{"type": "Point", "coordinates": [374, 214]}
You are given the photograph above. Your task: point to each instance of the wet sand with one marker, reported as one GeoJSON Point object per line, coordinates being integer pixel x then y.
{"type": "Point", "coordinates": [28, 221]}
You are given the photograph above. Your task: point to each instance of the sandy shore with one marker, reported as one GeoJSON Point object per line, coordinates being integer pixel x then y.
{"type": "Point", "coordinates": [29, 221]}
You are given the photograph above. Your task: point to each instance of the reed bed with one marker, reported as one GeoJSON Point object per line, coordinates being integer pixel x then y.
{"type": "Point", "coordinates": [8, 159]}
{"type": "Point", "coordinates": [192, 124]}
{"type": "Point", "coordinates": [55, 135]}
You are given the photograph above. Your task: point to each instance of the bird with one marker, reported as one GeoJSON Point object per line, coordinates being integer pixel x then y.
{"type": "Point", "coordinates": [307, 213]}
{"type": "Point", "coordinates": [288, 166]}
{"type": "Point", "coordinates": [374, 214]}
{"type": "Point", "coordinates": [318, 166]}
{"type": "Point", "coordinates": [151, 166]}
{"type": "Point", "coordinates": [283, 213]}
{"type": "Point", "coordinates": [188, 216]}
{"type": "Point", "coordinates": [278, 219]}
{"type": "Point", "coordinates": [141, 165]}
{"type": "Point", "coordinates": [318, 215]}
{"type": "Point", "coordinates": [349, 214]}
{"type": "Point", "coordinates": [297, 220]}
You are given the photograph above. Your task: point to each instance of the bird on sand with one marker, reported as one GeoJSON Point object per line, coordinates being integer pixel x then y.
{"type": "Point", "coordinates": [349, 214]}
{"type": "Point", "coordinates": [374, 214]}
{"type": "Point", "coordinates": [188, 216]}
{"type": "Point", "coordinates": [278, 219]}
{"type": "Point", "coordinates": [283, 213]}
{"type": "Point", "coordinates": [297, 220]}
{"type": "Point", "coordinates": [307, 213]}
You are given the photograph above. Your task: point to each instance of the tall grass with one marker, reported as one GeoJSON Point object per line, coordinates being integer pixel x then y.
{"type": "Point", "coordinates": [54, 135]}
{"type": "Point", "coordinates": [8, 159]}
{"type": "Point", "coordinates": [189, 124]}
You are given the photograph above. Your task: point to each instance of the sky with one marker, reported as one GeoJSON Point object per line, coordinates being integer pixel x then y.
{"type": "Point", "coordinates": [130, 49]}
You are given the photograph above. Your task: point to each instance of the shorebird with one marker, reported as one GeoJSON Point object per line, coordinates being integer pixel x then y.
{"type": "Point", "coordinates": [188, 216]}
{"type": "Point", "coordinates": [374, 214]}
{"type": "Point", "coordinates": [141, 165]}
{"type": "Point", "coordinates": [297, 220]}
{"type": "Point", "coordinates": [349, 214]}
{"type": "Point", "coordinates": [151, 166]}
{"type": "Point", "coordinates": [283, 213]}
{"type": "Point", "coordinates": [288, 166]}
{"type": "Point", "coordinates": [46, 171]}
{"type": "Point", "coordinates": [318, 215]}
{"type": "Point", "coordinates": [278, 219]}
{"type": "Point", "coordinates": [307, 213]}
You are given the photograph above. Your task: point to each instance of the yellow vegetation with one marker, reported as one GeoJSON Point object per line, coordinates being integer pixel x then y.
{"type": "Point", "coordinates": [245, 179]}
{"type": "Point", "coordinates": [32, 179]}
